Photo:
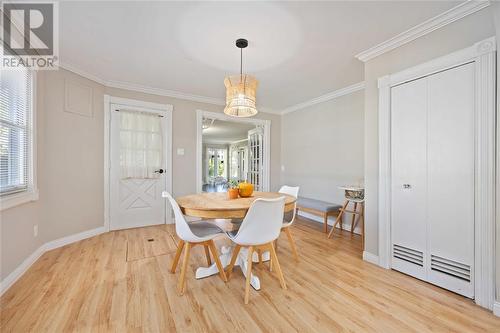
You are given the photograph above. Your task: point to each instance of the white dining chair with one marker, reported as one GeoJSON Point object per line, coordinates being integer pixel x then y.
{"type": "Point", "coordinates": [258, 231]}
{"type": "Point", "coordinates": [192, 234]}
{"type": "Point", "coordinates": [289, 217]}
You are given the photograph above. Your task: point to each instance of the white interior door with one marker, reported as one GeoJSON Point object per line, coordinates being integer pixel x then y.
{"type": "Point", "coordinates": [409, 185]}
{"type": "Point", "coordinates": [432, 174]}
{"type": "Point", "coordinates": [451, 179]}
{"type": "Point", "coordinates": [136, 202]}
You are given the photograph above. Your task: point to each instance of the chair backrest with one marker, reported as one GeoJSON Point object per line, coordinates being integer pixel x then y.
{"type": "Point", "coordinates": [181, 226]}
{"type": "Point", "coordinates": [263, 222]}
{"type": "Point", "coordinates": [293, 191]}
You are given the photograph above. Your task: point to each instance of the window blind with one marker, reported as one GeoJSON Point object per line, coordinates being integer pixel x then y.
{"type": "Point", "coordinates": [15, 130]}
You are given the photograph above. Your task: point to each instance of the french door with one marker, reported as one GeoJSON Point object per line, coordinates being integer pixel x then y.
{"type": "Point", "coordinates": [255, 157]}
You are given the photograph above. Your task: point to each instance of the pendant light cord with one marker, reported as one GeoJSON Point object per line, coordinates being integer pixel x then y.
{"type": "Point", "coordinates": [241, 62]}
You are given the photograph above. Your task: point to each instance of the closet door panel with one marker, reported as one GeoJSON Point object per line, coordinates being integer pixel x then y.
{"type": "Point", "coordinates": [408, 168]}
{"type": "Point", "coordinates": [450, 168]}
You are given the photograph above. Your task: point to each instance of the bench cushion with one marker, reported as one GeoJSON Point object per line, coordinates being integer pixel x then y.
{"type": "Point", "coordinates": [318, 205]}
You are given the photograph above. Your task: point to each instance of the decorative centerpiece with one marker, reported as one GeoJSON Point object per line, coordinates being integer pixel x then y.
{"type": "Point", "coordinates": [233, 190]}
{"type": "Point", "coordinates": [245, 189]}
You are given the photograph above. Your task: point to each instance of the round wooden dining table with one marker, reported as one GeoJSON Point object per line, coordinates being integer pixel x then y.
{"type": "Point", "coordinates": [219, 206]}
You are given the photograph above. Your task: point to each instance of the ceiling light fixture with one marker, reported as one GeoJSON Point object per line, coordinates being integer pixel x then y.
{"type": "Point", "coordinates": [241, 90]}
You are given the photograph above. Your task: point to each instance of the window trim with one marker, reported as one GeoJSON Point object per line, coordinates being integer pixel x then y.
{"type": "Point", "coordinates": [31, 194]}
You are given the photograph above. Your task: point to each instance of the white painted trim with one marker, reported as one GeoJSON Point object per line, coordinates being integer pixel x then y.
{"type": "Point", "coordinates": [371, 258]}
{"type": "Point", "coordinates": [28, 262]}
{"type": "Point", "coordinates": [496, 309]}
{"type": "Point", "coordinates": [331, 221]}
{"type": "Point", "coordinates": [326, 97]}
{"type": "Point", "coordinates": [17, 199]}
{"type": "Point", "coordinates": [20, 270]}
{"type": "Point", "coordinates": [456, 13]}
{"type": "Point", "coordinates": [167, 110]}
{"type": "Point", "coordinates": [266, 182]}
{"type": "Point", "coordinates": [73, 238]}
{"type": "Point", "coordinates": [82, 73]}
{"type": "Point", "coordinates": [483, 55]}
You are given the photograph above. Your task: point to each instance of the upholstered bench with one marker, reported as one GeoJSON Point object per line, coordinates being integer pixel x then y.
{"type": "Point", "coordinates": [318, 207]}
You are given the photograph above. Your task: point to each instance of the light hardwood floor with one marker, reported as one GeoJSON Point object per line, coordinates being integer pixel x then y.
{"type": "Point", "coordinates": [91, 286]}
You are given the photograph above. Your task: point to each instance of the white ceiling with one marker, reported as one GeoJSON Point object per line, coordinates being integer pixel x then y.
{"type": "Point", "coordinates": [223, 132]}
{"type": "Point", "coordinates": [297, 50]}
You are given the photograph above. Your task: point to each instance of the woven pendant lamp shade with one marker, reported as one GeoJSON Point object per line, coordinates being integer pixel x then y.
{"type": "Point", "coordinates": [240, 95]}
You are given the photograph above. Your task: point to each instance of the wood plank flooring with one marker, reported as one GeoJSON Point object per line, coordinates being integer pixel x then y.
{"type": "Point", "coordinates": [90, 286]}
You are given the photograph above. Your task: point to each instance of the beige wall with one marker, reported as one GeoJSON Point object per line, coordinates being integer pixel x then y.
{"type": "Point", "coordinates": [71, 164]}
{"type": "Point", "coordinates": [322, 147]}
{"type": "Point", "coordinates": [453, 37]}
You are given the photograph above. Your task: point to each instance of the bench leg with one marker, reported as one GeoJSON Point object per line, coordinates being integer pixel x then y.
{"type": "Point", "coordinates": [325, 219]}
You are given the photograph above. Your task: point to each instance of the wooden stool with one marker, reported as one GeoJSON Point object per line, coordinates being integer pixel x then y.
{"type": "Point", "coordinates": [356, 196]}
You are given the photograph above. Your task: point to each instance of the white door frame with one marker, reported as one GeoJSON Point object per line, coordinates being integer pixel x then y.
{"type": "Point", "coordinates": [482, 54]}
{"type": "Point", "coordinates": [166, 110]}
{"type": "Point", "coordinates": [200, 114]}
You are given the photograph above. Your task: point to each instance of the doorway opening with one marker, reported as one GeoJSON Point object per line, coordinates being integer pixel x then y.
{"type": "Point", "coordinates": [232, 150]}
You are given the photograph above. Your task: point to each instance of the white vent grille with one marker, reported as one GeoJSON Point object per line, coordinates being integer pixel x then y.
{"type": "Point", "coordinates": [410, 255]}
{"type": "Point", "coordinates": [450, 267]}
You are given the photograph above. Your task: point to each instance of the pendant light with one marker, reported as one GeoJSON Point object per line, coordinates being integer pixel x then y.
{"type": "Point", "coordinates": [241, 90]}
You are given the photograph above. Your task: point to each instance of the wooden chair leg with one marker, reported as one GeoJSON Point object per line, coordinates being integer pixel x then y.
{"type": "Point", "coordinates": [292, 243]}
{"type": "Point", "coordinates": [325, 222]}
{"type": "Point", "coordinates": [260, 256]}
{"type": "Point", "coordinates": [182, 279]}
{"type": "Point", "coordinates": [207, 255]}
{"type": "Point", "coordinates": [362, 220]}
{"type": "Point", "coordinates": [211, 244]}
{"type": "Point", "coordinates": [229, 269]}
{"type": "Point", "coordinates": [180, 246]}
{"type": "Point", "coordinates": [354, 217]}
{"type": "Point", "coordinates": [339, 218]}
{"type": "Point", "coordinates": [278, 267]}
{"type": "Point", "coordinates": [249, 273]}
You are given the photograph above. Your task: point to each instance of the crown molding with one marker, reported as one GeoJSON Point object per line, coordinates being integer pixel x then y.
{"type": "Point", "coordinates": [165, 92]}
{"type": "Point", "coordinates": [141, 88]}
{"type": "Point", "coordinates": [323, 98]}
{"type": "Point", "coordinates": [456, 13]}
{"type": "Point", "coordinates": [82, 73]}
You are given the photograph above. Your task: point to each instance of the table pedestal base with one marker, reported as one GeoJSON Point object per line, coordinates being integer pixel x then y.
{"type": "Point", "coordinates": [225, 258]}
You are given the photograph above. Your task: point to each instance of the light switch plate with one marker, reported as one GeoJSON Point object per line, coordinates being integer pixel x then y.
{"type": "Point", "coordinates": [180, 151]}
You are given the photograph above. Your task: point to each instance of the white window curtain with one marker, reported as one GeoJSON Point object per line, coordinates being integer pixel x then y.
{"type": "Point", "coordinates": [15, 130]}
{"type": "Point", "coordinates": [141, 144]}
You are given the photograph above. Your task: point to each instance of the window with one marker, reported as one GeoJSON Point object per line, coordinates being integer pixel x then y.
{"type": "Point", "coordinates": [16, 133]}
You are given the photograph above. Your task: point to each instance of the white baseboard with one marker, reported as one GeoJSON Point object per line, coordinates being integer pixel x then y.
{"type": "Point", "coordinates": [20, 270]}
{"type": "Point", "coordinates": [331, 221]}
{"type": "Point", "coordinates": [370, 257]}
{"type": "Point", "coordinates": [26, 264]}
{"type": "Point", "coordinates": [73, 238]}
{"type": "Point", "coordinates": [496, 308]}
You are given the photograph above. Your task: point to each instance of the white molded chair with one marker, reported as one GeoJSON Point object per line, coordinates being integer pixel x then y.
{"type": "Point", "coordinates": [259, 229]}
{"type": "Point", "coordinates": [293, 191]}
{"type": "Point", "coordinates": [192, 234]}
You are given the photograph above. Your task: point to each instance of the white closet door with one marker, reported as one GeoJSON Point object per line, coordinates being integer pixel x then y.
{"type": "Point", "coordinates": [450, 170]}
{"type": "Point", "coordinates": [408, 154]}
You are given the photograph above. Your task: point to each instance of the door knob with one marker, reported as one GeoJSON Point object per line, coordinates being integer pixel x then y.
{"type": "Point", "coordinates": [406, 186]}
{"type": "Point", "coordinates": [159, 171]}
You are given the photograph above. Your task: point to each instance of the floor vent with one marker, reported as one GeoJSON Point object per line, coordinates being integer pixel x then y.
{"type": "Point", "coordinates": [450, 267]}
{"type": "Point", "coordinates": [410, 255]}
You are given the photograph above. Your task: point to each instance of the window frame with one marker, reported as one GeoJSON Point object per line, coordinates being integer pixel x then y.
{"type": "Point", "coordinates": [31, 194]}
